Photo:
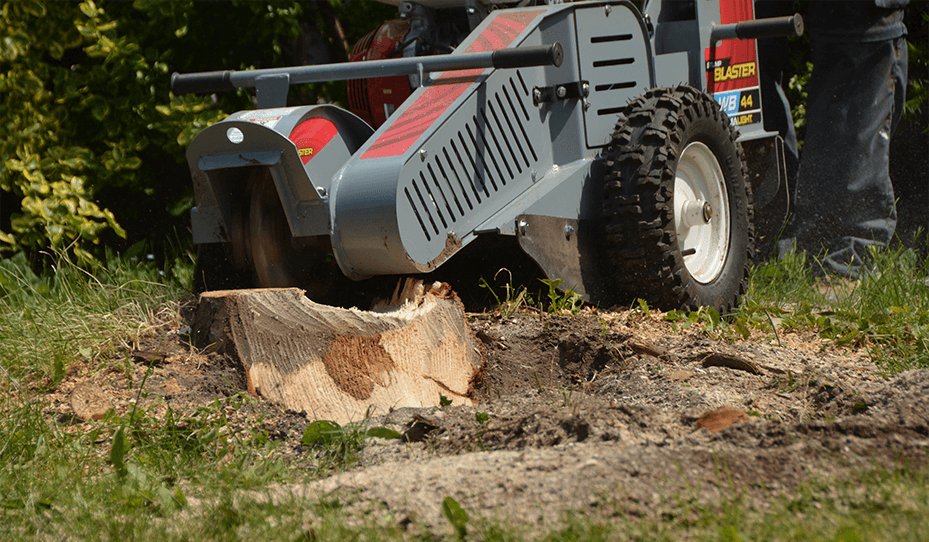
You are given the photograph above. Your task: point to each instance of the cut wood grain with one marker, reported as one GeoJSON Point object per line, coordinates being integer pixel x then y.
{"type": "Point", "coordinates": [343, 364]}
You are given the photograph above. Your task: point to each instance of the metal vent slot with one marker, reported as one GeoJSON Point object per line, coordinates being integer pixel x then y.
{"type": "Point", "coordinates": [416, 212]}
{"type": "Point", "coordinates": [509, 113]}
{"type": "Point", "coordinates": [522, 106]}
{"type": "Point", "coordinates": [426, 207]}
{"type": "Point", "coordinates": [615, 86]}
{"type": "Point", "coordinates": [464, 169]}
{"type": "Point", "coordinates": [478, 176]}
{"type": "Point", "coordinates": [610, 111]}
{"type": "Point", "coordinates": [451, 167]}
{"type": "Point", "coordinates": [520, 102]}
{"type": "Point", "coordinates": [448, 188]}
{"type": "Point", "coordinates": [613, 62]}
{"type": "Point", "coordinates": [435, 205]}
{"type": "Point", "coordinates": [486, 157]}
{"type": "Point", "coordinates": [522, 82]}
{"type": "Point", "coordinates": [481, 150]}
{"type": "Point", "coordinates": [607, 39]}
{"type": "Point", "coordinates": [493, 134]}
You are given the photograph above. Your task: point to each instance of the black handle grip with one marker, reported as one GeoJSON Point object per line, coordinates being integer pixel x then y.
{"type": "Point", "coordinates": [201, 83]}
{"type": "Point", "coordinates": [523, 57]}
{"type": "Point", "coordinates": [791, 25]}
{"type": "Point", "coordinates": [769, 28]}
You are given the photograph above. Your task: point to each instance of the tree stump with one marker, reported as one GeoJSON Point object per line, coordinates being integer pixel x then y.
{"type": "Point", "coordinates": [345, 364]}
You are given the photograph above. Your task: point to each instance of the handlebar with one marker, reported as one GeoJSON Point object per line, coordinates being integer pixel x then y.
{"type": "Point", "coordinates": [791, 25]}
{"type": "Point", "coordinates": [516, 57]}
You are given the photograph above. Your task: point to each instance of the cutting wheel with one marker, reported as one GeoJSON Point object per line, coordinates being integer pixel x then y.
{"type": "Point", "coordinates": [277, 258]}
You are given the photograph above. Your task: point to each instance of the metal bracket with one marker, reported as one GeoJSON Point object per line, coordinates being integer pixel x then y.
{"type": "Point", "coordinates": [271, 90]}
{"type": "Point", "coordinates": [564, 91]}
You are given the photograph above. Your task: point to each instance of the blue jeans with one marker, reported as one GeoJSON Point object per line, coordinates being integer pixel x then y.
{"type": "Point", "coordinates": [844, 200]}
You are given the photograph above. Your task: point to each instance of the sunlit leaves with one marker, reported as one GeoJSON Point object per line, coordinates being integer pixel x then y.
{"type": "Point", "coordinates": [70, 129]}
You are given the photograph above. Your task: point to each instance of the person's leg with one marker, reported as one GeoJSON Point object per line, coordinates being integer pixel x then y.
{"type": "Point", "coordinates": [844, 198]}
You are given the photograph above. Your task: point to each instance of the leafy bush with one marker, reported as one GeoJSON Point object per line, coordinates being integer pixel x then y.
{"type": "Point", "coordinates": [92, 140]}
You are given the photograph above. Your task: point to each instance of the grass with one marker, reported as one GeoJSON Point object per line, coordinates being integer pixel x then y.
{"type": "Point", "coordinates": [193, 475]}
{"type": "Point", "coordinates": [886, 312]}
{"type": "Point", "coordinates": [49, 320]}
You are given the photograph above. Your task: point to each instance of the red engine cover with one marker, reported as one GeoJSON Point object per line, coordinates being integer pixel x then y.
{"type": "Point", "coordinates": [375, 99]}
{"type": "Point", "coordinates": [311, 136]}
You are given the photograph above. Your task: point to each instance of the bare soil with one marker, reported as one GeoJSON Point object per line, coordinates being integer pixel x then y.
{"type": "Point", "coordinates": [610, 414]}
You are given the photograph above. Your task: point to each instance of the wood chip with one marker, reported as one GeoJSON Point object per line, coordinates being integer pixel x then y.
{"type": "Point", "coordinates": [681, 376]}
{"type": "Point", "coordinates": [149, 357]}
{"type": "Point", "coordinates": [719, 419]}
{"type": "Point", "coordinates": [732, 362]}
{"type": "Point", "coordinates": [89, 402]}
{"type": "Point", "coordinates": [648, 349]}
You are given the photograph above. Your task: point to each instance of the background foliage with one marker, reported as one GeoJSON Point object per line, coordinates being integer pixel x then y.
{"type": "Point", "coordinates": [92, 141]}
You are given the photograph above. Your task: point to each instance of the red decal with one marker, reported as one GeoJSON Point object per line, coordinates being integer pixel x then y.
{"type": "Point", "coordinates": [435, 100]}
{"type": "Point", "coordinates": [732, 64]}
{"type": "Point", "coordinates": [311, 136]}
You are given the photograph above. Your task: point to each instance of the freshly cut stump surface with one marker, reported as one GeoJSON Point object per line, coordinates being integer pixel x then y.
{"type": "Point", "coordinates": [345, 364]}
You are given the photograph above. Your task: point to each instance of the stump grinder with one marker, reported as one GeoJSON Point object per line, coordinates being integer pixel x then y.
{"type": "Point", "coordinates": [622, 148]}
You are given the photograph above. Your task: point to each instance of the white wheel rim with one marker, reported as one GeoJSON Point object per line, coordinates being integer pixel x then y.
{"type": "Point", "coordinates": [701, 212]}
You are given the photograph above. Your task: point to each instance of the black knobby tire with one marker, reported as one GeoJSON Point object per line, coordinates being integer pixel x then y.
{"type": "Point", "coordinates": [656, 246]}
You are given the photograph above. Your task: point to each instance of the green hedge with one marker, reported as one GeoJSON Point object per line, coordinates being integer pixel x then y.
{"type": "Point", "coordinates": [91, 137]}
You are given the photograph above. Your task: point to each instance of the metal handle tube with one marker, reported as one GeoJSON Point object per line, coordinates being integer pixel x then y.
{"type": "Point", "coordinates": [759, 28]}
{"type": "Point", "coordinates": [520, 57]}
{"type": "Point", "coordinates": [517, 57]}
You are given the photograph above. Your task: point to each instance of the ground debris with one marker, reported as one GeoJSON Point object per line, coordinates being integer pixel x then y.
{"type": "Point", "coordinates": [576, 412]}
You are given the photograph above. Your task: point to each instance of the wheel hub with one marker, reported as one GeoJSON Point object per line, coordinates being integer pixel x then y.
{"type": "Point", "coordinates": [701, 212]}
{"type": "Point", "coordinates": [696, 213]}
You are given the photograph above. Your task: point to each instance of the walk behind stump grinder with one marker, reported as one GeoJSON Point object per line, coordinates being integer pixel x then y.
{"type": "Point", "coordinates": [623, 150]}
